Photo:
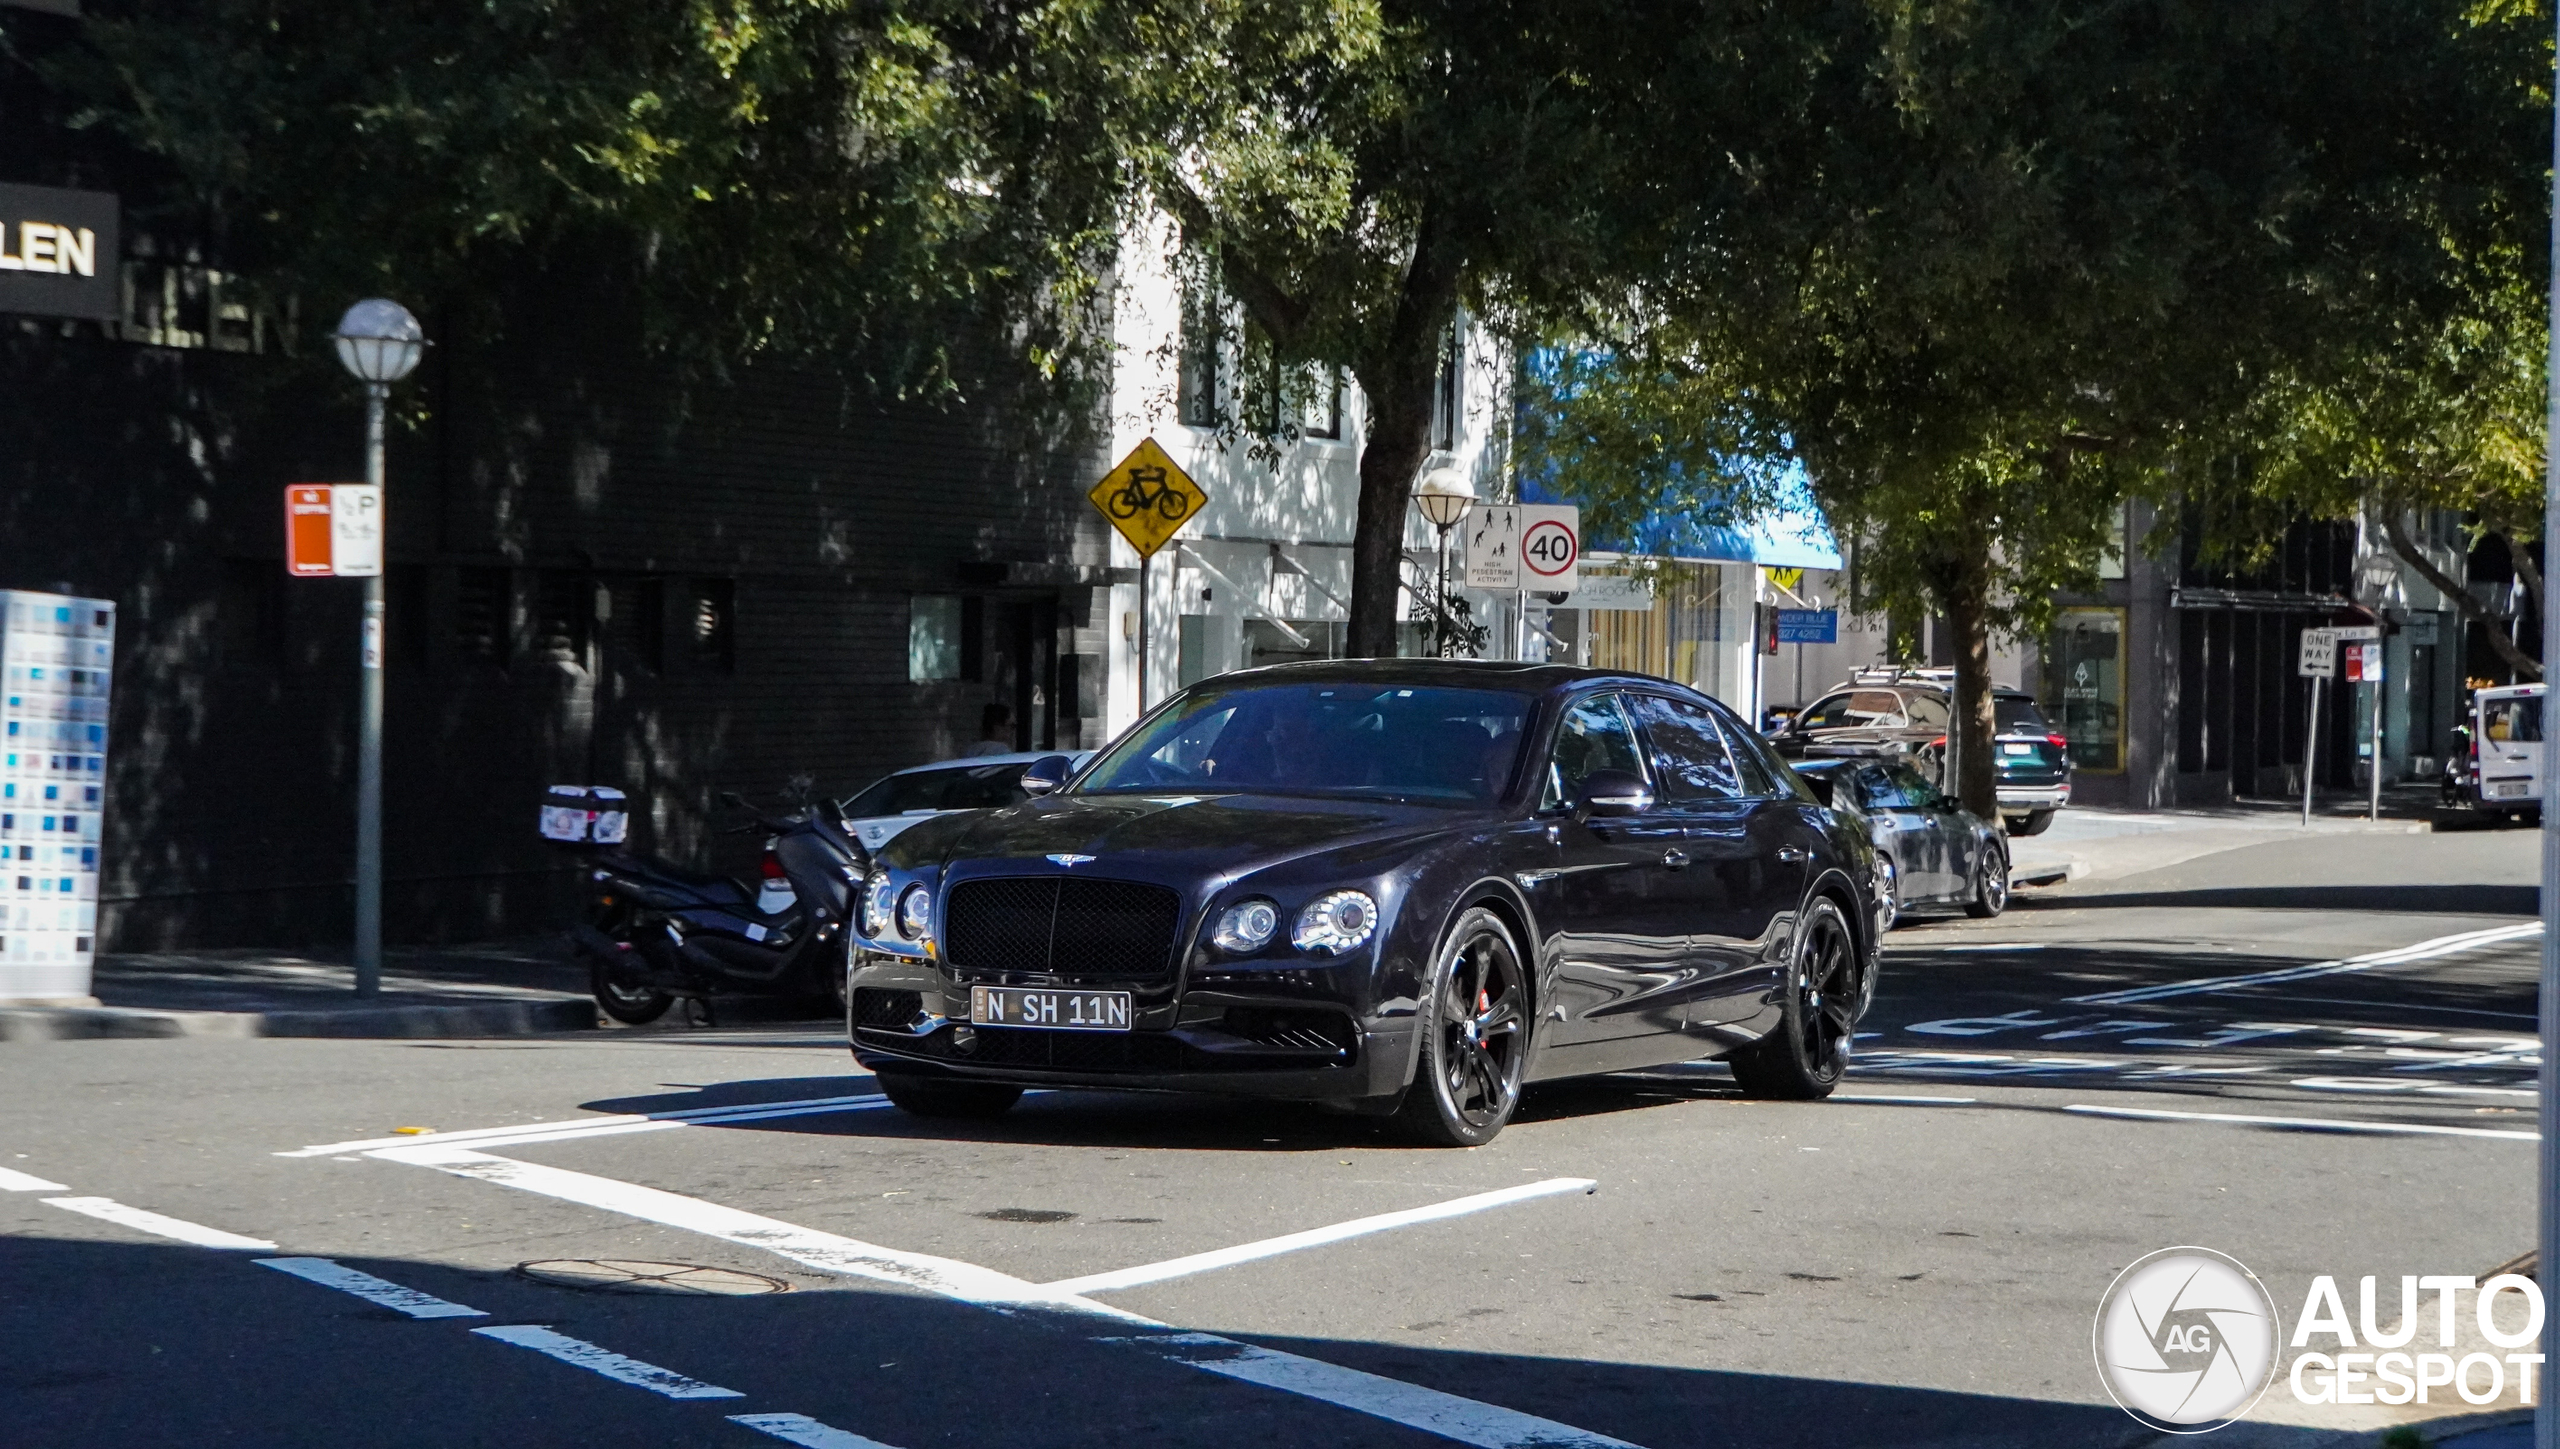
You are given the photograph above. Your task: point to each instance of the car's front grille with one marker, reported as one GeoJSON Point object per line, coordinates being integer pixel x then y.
{"type": "Point", "coordinates": [1075, 927]}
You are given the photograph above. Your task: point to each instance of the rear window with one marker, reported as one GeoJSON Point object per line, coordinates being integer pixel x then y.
{"type": "Point", "coordinates": [1859, 709]}
{"type": "Point", "coordinates": [960, 787]}
{"type": "Point", "coordinates": [2515, 721]}
{"type": "Point", "coordinates": [2015, 714]}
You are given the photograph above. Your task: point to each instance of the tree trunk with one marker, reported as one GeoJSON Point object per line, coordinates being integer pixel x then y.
{"type": "Point", "coordinates": [1967, 601]}
{"type": "Point", "coordinates": [1397, 381]}
{"type": "Point", "coordinates": [2469, 607]}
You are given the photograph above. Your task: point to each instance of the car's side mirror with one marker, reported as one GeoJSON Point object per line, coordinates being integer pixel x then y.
{"type": "Point", "coordinates": [1046, 774]}
{"type": "Point", "coordinates": [1607, 793]}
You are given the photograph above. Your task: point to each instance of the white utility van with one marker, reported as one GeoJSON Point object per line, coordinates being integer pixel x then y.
{"type": "Point", "coordinates": [2506, 730]}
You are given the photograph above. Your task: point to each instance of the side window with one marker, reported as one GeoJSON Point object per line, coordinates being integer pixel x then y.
{"type": "Point", "coordinates": [1928, 712]}
{"type": "Point", "coordinates": [1876, 789]}
{"type": "Point", "coordinates": [1594, 735]}
{"type": "Point", "coordinates": [1826, 714]}
{"type": "Point", "coordinates": [1914, 788]}
{"type": "Point", "coordinates": [1688, 753]}
{"type": "Point", "coordinates": [1763, 773]}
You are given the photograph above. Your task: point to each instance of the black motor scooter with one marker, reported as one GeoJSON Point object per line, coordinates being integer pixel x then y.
{"type": "Point", "coordinates": [657, 933]}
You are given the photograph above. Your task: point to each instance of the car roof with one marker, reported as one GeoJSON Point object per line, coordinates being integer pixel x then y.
{"type": "Point", "coordinates": [1523, 676]}
{"type": "Point", "coordinates": [1923, 686]}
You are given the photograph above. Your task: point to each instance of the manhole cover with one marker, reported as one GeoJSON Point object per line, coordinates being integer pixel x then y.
{"type": "Point", "coordinates": [629, 1275]}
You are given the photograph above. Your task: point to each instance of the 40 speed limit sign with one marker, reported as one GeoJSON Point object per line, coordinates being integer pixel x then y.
{"type": "Point", "coordinates": [1550, 548]}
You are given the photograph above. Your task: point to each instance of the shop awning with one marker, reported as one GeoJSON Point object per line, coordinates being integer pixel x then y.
{"type": "Point", "coordinates": [1796, 536]}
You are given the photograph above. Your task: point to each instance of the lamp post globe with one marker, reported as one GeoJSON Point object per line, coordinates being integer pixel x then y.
{"type": "Point", "coordinates": [379, 341]}
{"type": "Point", "coordinates": [1444, 494]}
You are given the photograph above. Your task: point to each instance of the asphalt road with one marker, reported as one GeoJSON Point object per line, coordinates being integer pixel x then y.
{"type": "Point", "coordinates": [2192, 1056]}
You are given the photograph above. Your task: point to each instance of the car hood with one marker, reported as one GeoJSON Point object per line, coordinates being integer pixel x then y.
{"type": "Point", "coordinates": [1168, 836]}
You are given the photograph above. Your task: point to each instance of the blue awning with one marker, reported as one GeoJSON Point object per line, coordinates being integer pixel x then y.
{"type": "Point", "coordinates": [1796, 536]}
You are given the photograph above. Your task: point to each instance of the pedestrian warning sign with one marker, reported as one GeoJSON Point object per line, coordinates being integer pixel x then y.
{"type": "Point", "coordinates": [1148, 498]}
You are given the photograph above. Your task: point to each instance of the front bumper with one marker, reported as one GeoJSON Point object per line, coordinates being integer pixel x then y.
{"type": "Point", "coordinates": [905, 1015]}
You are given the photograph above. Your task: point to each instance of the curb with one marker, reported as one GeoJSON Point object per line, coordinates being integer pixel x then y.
{"type": "Point", "coordinates": [472, 1019]}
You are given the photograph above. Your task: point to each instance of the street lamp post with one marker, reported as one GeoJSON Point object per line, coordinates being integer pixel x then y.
{"type": "Point", "coordinates": [1445, 495]}
{"type": "Point", "coordinates": [380, 343]}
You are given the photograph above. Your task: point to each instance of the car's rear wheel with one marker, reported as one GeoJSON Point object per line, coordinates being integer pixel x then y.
{"type": "Point", "coordinates": [1806, 1055]}
{"type": "Point", "coordinates": [1474, 1037]}
{"type": "Point", "coordinates": [2032, 823]}
{"type": "Point", "coordinates": [920, 1096]}
{"type": "Point", "coordinates": [1990, 884]}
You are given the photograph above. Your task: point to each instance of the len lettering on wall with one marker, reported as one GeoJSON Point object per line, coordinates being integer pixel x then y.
{"type": "Point", "coordinates": [58, 252]}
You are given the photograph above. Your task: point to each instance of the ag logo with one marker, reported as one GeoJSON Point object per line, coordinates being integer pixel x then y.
{"type": "Point", "coordinates": [2186, 1340]}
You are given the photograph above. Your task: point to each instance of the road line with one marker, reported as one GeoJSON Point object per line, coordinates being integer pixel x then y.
{"type": "Point", "coordinates": [381, 1292]}
{"type": "Point", "coordinates": [2422, 951]}
{"type": "Point", "coordinates": [1485, 1425]}
{"type": "Point", "coordinates": [1314, 1237]}
{"type": "Point", "coordinates": [825, 1251]}
{"type": "Point", "coordinates": [108, 1210]}
{"type": "Point", "coordinates": [599, 1126]}
{"type": "Point", "coordinates": [605, 1361]}
{"type": "Point", "coordinates": [2401, 1084]}
{"type": "Point", "coordinates": [2316, 1124]}
{"type": "Point", "coordinates": [1488, 1426]}
{"type": "Point", "coordinates": [1906, 1101]}
{"type": "Point", "coordinates": [804, 1431]}
{"type": "Point", "coordinates": [21, 1182]}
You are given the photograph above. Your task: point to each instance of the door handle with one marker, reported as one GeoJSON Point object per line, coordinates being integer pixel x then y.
{"type": "Point", "coordinates": [1675, 857]}
{"type": "Point", "coordinates": [1793, 855]}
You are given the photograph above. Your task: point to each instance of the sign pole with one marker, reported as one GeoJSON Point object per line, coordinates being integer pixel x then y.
{"type": "Point", "coordinates": [1146, 567]}
{"type": "Point", "coordinates": [2373, 777]}
{"type": "Point", "coordinates": [368, 944]}
{"type": "Point", "coordinates": [2310, 750]}
{"type": "Point", "coordinates": [2546, 1423]}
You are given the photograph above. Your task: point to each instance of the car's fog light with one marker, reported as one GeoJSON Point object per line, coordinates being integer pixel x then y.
{"type": "Point", "coordinates": [1246, 927]}
{"type": "Point", "coordinates": [915, 913]}
{"type": "Point", "coordinates": [1335, 923]}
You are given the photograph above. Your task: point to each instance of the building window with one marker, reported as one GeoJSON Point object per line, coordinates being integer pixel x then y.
{"type": "Point", "coordinates": [481, 615]}
{"type": "Point", "coordinates": [1203, 353]}
{"type": "Point", "coordinates": [1321, 412]}
{"type": "Point", "coordinates": [561, 609]}
{"type": "Point", "coordinates": [933, 638]}
{"type": "Point", "coordinates": [2084, 686]}
{"type": "Point", "coordinates": [712, 624]}
{"type": "Point", "coordinates": [1449, 392]}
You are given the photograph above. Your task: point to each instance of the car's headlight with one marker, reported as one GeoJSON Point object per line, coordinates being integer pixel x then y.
{"type": "Point", "coordinates": [1335, 923]}
{"type": "Point", "coordinates": [915, 913]}
{"type": "Point", "coordinates": [1246, 927]}
{"type": "Point", "coordinates": [876, 904]}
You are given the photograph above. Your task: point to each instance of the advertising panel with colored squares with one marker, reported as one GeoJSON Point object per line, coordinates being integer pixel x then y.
{"type": "Point", "coordinates": [57, 656]}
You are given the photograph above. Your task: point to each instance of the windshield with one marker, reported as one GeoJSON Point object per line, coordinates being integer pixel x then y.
{"type": "Point", "coordinates": [1417, 743]}
{"type": "Point", "coordinates": [960, 787]}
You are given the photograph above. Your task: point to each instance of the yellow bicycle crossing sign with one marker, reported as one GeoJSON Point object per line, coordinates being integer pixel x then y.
{"type": "Point", "coordinates": [1148, 498]}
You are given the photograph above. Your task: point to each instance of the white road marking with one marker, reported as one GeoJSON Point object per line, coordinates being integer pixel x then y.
{"type": "Point", "coordinates": [1485, 1425]}
{"type": "Point", "coordinates": [2403, 1084]}
{"type": "Point", "coordinates": [381, 1292]}
{"type": "Point", "coordinates": [1315, 1237]}
{"type": "Point", "coordinates": [21, 1182]}
{"type": "Point", "coordinates": [825, 1251]}
{"type": "Point", "coordinates": [2422, 951]}
{"type": "Point", "coordinates": [1907, 1101]}
{"type": "Point", "coordinates": [2321, 1124]}
{"type": "Point", "coordinates": [605, 1361]}
{"type": "Point", "coordinates": [107, 1209]}
{"type": "Point", "coordinates": [603, 1126]}
{"type": "Point", "coordinates": [802, 1430]}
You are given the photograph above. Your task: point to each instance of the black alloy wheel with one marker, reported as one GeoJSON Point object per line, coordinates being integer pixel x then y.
{"type": "Point", "coordinates": [922, 1096]}
{"type": "Point", "coordinates": [1990, 882]}
{"type": "Point", "coordinates": [625, 996]}
{"type": "Point", "coordinates": [1474, 1037]}
{"type": "Point", "coordinates": [1805, 1056]}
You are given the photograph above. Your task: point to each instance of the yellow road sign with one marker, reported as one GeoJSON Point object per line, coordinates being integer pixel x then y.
{"type": "Point", "coordinates": [1148, 498]}
{"type": "Point", "coordinates": [1788, 579]}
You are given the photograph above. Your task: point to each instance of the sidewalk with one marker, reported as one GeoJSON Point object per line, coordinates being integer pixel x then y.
{"type": "Point", "coordinates": [505, 989]}
{"type": "Point", "coordinates": [2101, 844]}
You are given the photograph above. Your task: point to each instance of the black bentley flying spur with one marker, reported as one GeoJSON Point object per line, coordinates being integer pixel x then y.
{"type": "Point", "coordinates": [1398, 886]}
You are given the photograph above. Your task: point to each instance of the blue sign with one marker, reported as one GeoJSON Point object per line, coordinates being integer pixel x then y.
{"type": "Point", "coordinates": [1808, 626]}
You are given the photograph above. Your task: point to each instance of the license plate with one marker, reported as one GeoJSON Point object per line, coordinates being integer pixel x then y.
{"type": "Point", "coordinates": [2504, 790]}
{"type": "Point", "coordinates": [1056, 1010]}
{"type": "Point", "coordinates": [2010, 748]}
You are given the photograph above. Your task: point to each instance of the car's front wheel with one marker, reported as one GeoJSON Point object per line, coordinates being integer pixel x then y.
{"type": "Point", "coordinates": [1806, 1055]}
{"type": "Point", "coordinates": [1474, 1037]}
{"type": "Point", "coordinates": [1888, 894]}
{"type": "Point", "coordinates": [1990, 884]}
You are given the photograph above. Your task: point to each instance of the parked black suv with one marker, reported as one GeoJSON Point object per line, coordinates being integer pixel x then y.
{"type": "Point", "coordinates": [1905, 712]}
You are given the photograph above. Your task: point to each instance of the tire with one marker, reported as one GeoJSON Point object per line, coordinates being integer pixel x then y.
{"type": "Point", "coordinates": [943, 1098]}
{"type": "Point", "coordinates": [1990, 884]}
{"type": "Point", "coordinates": [1888, 895]}
{"type": "Point", "coordinates": [2033, 823]}
{"type": "Point", "coordinates": [1806, 1055]}
{"type": "Point", "coordinates": [1473, 1045]}
{"type": "Point", "coordinates": [631, 1003]}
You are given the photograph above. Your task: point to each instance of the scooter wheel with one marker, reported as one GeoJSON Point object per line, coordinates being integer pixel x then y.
{"type": "Point", "coordinates": [630, 1003]}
